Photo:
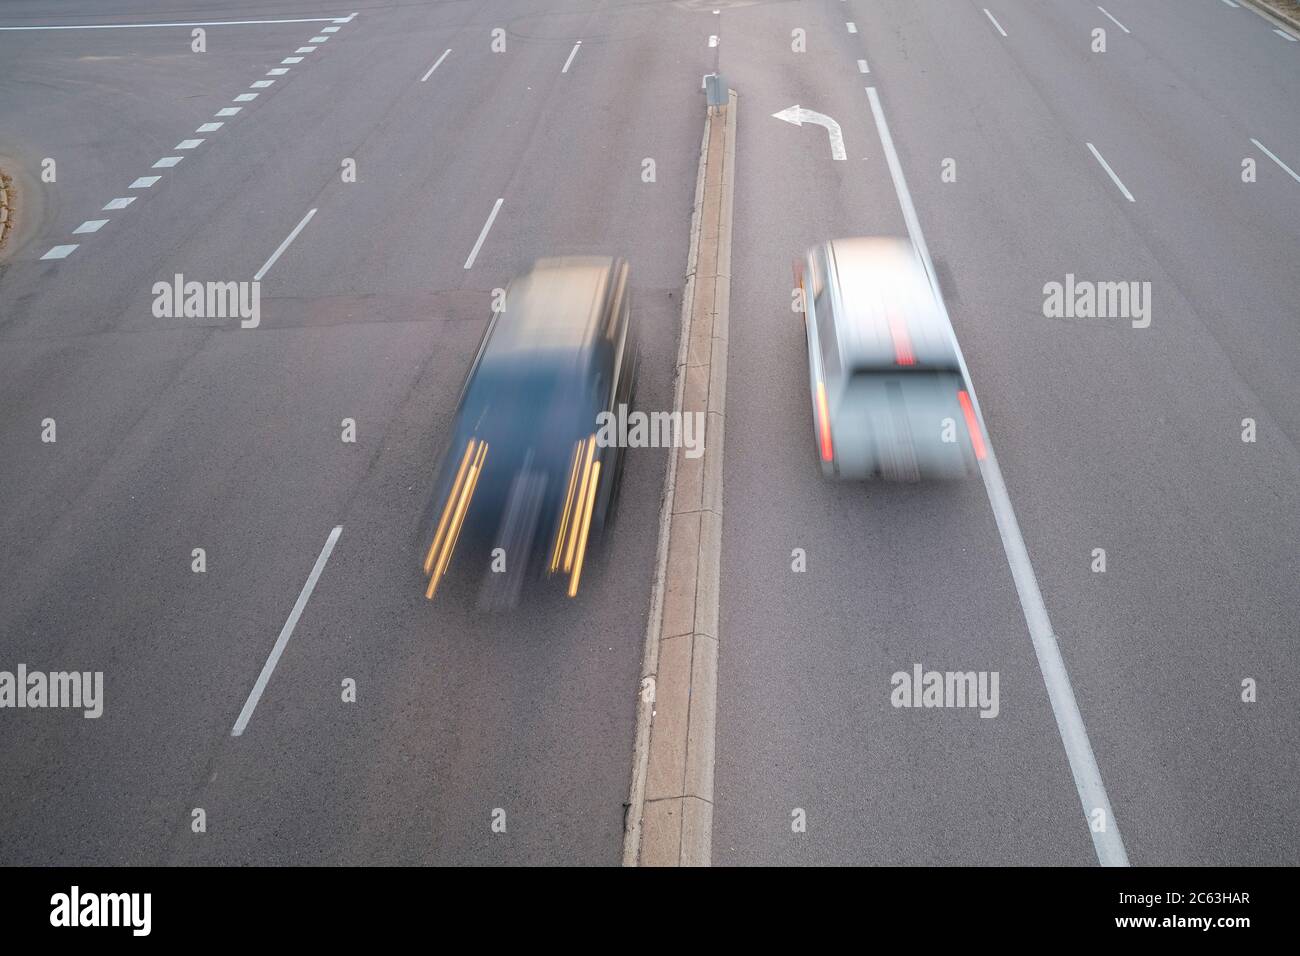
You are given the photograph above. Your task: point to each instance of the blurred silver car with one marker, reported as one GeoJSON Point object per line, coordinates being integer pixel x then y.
{"type": "Point", "coordinates": [888, 396]}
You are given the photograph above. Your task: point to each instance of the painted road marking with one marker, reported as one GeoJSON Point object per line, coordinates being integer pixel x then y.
{"type": "Point", "coordinates": [1069, 722]}
{"type": "Point", "coordinates": [1106, 166]}
{"type": "Point", "coordinates": [995, 21]}
{"type": "Point", "coordinates": [209, 127]}
{"type": "Point", "coordinates": [305, 49]}
{"type": "Point", "coordinates": [228, 111]}
{"type": "Point", "coordinates": [60, 252]}
{"type": "Point", "coordinates": [1268, 152]}
{"type": "Point", "coordinates": [188, 144]}
{"type": "Point", "coordinates": [283, 246]}
{"type": "Point", "coordinates": [285, 633]}
{"type": "Point", "coordinates": [1114, 21]}
{"type": "Point", "coordinates": [260, 84]}
{"type": "Point", "coordinates": [572, 54]}
{"type": "Point", "coordinates": [435, 65]}
{"type": "Point", "coordinates": [120, 203]}
{"type": "Point", "coordinates": [1285, 36]}
{"type": "Point", "coordinates": [862, 67]}
{"type": "Point", "coordinates": [245, 98]}
{"type": "Point", "coordinates": [278, 71]}
{"type": "Point", "coordinates": [473, 253]}
{"type": "Point", "coordinates": [167, 162]}
{"type": "Point", "coordinates": [90, 225]}
{"type": "Point", "coordinates": [851, 27]}
{"type": "Point", "coordinates": [141, 26]}
{"type": "Point", "coordinates": [144, 182]}
{"type": "Point", "coordinates": [292, 59]}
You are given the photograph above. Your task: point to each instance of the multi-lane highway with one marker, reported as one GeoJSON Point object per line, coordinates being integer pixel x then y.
{"type": "Point", "coordinates": [381, 168]}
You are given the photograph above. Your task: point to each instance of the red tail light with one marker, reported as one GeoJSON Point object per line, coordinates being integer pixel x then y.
{"type": "Point", "coordinates": [972, 424]}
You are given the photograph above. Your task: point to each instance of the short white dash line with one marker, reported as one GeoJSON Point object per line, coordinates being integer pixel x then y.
{"type": "Point", "coordinates": [283, 246]}
{"type": "Point", "coordinates": [245, 97]}
{"type": "Point", "coordinates": [209, 127]}
{"type": "Point", "coordinates": [1231, 4]}
{"type": "Point", "coordinates": [188, 144]}
{"type": "Point", "coordinates": [473, 253]}
{"type": "Point", "coordinates": [995, 21]}
{"type": "Point", "coordinates": [1269, 153]}
{"type": "Point", "coordinates": [260, 84]}
{"type": "Point", "coordinates": [228, 111]}
{"type": "Point", "coordinates": [851, 27]}
{"type": "Point", "coordinates": [90, 225]}
{"type": "Point", "coordinates": [278, 71]}
{"type": "Point", "coordinates": [318, 39]}
{"type": "Point", "coordinates": [120, 203]}
{"type": "Point", "coordinates": [1106, 166]}
{"type": "Point", "coordinates": [286, 632]}
{"type": "Point", "coordinates": [1108, 844]}
{"type": "Point", "coordinates": [713, 40]}
{"type": "Point", "coordinates": [167, 162]}
{"type": "Point", "coordinates": [436, 64]}
{"type": "Point", "coordinates": [60, 252]}
{"type": "Point", "coordinates": [330, 30]}
{"type": "Point", "coordinates": [292, 60]}
{"type": "Point", "coordinates": [1113, 20]}
{"type": "Point", "coordinates": [305, 49]}
{"type": "Point", "coordinates": [862, 67]}
{"type": "Point", "coordinates": [144, 182]}
{"type": "Point", "coordinates": [572, 54]}
{"type": "Point", "coordinates": [1285, 36]}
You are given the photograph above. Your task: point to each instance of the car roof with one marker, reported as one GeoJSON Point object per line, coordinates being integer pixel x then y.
{"type": "Point", "coordinates": [883, 293]}
{"type": "Point", "coordinates": [556, 306]}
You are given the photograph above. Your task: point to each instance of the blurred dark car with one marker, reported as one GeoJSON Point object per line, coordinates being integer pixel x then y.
{"type": "Point", "coordinates": [524, 488]}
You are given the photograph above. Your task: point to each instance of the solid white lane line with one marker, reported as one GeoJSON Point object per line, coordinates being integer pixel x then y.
{"type": "Point", "coordinates": [283, 246]}
{"type": "Point", "coordinates": [144, 182]}
{"type": "Point", "coordinates": [60, 252]}
{"type": "Point", "coordinates": [995, 21]}
{"type": "Point", "coordinates": [209, 127]}
{"type": "Point", "coordinates": [572, 54]}
{"type": "Point", "coordinates": [862, 67]}
{"type": "Point", "coordinates": [1114, 21]}
{"type": "Point", "coordinates": [285, 633]}
{"type": "Point", "coordinates": [167, 162]}
{"type": "Point", "coordinates": [141, 26]}
{"type": "Point", "coordinates": [1286, 36]}
{"type": "Point", "coordinates": [851, 27]}
{"type": "Point", "coordinates": [120, 203]}
{"type": "Point", "coordinates": [1106, 166]}
{"type": "Point", "coordinates": [1069, 722]}
{"type": "Point", "coordinates": [188, 144]}
{"type": "Point", "coordinates": [228, 111]}
{"type": "Point", "coordinates": [435, 65]}
{"type": "Point", "coordinates": [90, 225]}
{"type": "Point", "coordinates": [473, 253]}
{"type": "Point", "coordinates": [1268, 152]}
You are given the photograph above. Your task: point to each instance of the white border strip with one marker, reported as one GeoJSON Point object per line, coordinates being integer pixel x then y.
{"type": "Point", "coordinates": [1083, 765]}
{"type": "Point", "coordinates": [286, 632]}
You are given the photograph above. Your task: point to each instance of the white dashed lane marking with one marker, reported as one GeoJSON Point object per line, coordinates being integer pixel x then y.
{"type": "Point", "coordinates": [60, 252]}
{"type": "Point", "coordinates": [90, 225]}
{"type": "Point", "coordinates": [120, 203]}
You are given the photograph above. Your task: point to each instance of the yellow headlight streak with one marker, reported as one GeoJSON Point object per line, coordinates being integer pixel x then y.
{"type": "Point", "coordinates": [575, 515]}
{"type": "Point", "coordinates": [453, 513]}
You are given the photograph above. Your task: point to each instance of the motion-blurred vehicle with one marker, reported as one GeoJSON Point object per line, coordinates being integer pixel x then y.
{"type": "Point", "coordinates": [888, 396]}
{"type": "Point", "coordinates": [524, 488]}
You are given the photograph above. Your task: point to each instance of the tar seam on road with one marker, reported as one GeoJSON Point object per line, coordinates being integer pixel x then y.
{"type": "Point", "coordinates": [1107, 843]}
{"type": "Point", "coordinates": [285, 633]}
{"type": "Point", "coordinates": [283, 246]}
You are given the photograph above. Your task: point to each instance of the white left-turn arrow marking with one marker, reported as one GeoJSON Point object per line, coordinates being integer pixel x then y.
{"type": "Point", "coordinates": [798, 116]}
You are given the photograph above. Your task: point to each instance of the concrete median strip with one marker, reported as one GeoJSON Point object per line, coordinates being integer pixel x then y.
{"type": "Point", "coordinates": [670, 807]}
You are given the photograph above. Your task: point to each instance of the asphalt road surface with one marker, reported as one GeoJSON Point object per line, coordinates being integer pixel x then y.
{"type": "Point", "coordinates": [181, 433]}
